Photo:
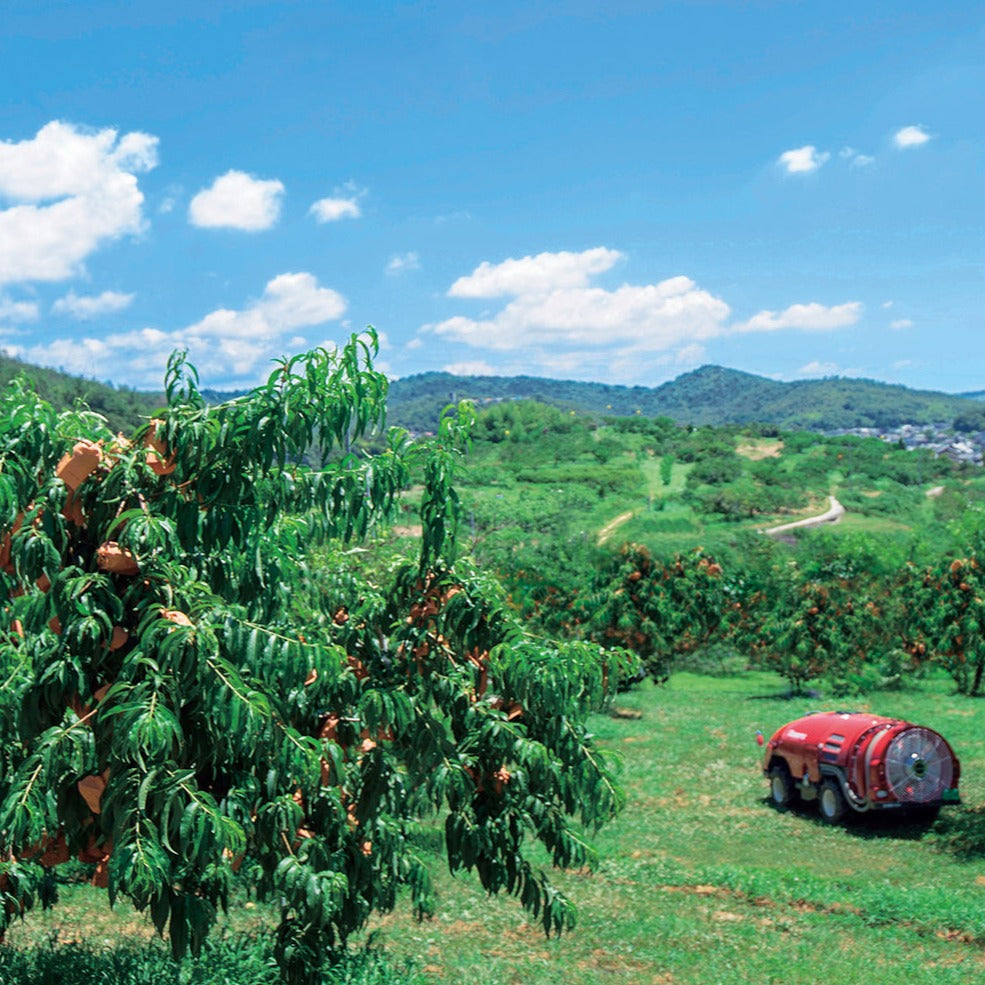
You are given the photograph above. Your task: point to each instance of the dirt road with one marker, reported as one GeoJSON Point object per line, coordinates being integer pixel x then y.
{"type": "Point", "coordinates": [832, 515]}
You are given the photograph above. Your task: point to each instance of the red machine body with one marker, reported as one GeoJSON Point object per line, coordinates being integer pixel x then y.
{"type": "Point", "coordinates": [862, 761]}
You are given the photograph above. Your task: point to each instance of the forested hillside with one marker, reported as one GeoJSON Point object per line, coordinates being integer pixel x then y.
{"type": "Point", "coordinates": [123, 408]}
{"type": "Point", "coordinates": [709, 395]}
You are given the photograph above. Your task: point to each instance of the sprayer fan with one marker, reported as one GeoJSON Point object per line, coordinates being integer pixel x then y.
{"type": "Point", "coordinates": [918, 766]}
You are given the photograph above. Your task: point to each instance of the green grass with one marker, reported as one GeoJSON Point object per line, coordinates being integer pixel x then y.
{"type": "Point", "coordinates": [700, 880]}
{"type": "Point", "coordinates": [650, 467]}
{"type": "Point", "coordinates": [227, 961]}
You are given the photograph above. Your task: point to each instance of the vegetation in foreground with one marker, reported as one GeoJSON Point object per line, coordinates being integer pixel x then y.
{"type": "Point", "coordinates": [702, 881]}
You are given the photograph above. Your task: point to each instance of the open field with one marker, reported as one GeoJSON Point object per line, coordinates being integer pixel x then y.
{"type": "Point", "coordinates": [700, 880]}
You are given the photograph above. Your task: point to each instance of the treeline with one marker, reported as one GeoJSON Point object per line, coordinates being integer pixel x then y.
{"type": "Point", "coordinates": [842, 614]}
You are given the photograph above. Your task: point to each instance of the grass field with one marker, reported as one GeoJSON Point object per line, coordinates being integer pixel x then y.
{"type": "Point", "coordinates": [701, 881]}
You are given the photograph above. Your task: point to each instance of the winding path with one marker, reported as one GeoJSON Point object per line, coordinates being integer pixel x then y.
{"type": "Point", "coordinates": [609, 529]}
{"type": "Point", "coordinates": [832, 515]}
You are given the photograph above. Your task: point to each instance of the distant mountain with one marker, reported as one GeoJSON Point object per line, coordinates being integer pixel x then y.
{"type": "Point", "coordinates": [709, 395]}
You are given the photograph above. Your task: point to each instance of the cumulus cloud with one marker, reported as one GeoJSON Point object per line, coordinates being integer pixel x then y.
{"type": "Point", "coordinates": [554, 319]}
{"type": "Point", "coordinates": [230, 347]}
{"type": "Point", "coordinates": [18, 311]}
{"type": "Point", "coordinates": [334, 209]}
{"type": "Point", "coordinates": [855, 158]}
{"type": "Point", "coordinates": [912, 136]}
{"type": "Point", "coordinates": [65, 193]}
{"type": "Point", "coordinates": [343, 203]}
{"type": "Point", "coordinates": [901, 323]}
{"type": "Point", "coordinates": [652, 316]}
{"type": "Point", "coordinates": [817, 368]}
{"type": "Point", "coordinates": [534, 274]}
{"type": "Point", "coordinates": [477, 367]}
{"type": "Point", "coordinates": [811, 317]}
{"type": "Point", "coordinates": [92, 306]}
{"type": "Point", "coordinates": [401, 262]}
{"type": "Point", "coordinates": [690, 355]}
{"type": "Point", "coordinates": [802, 160]}
{"type": "Point", "coordinates": [237, 200]}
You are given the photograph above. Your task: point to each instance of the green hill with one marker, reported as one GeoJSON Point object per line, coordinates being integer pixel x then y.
{"type": "Point", "coordinates": [123, 408]}
{"type": "Point", "coordinates": [709, 395]}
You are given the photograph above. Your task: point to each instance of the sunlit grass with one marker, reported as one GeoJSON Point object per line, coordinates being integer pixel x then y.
{"type": "Point", "coordinates": [700, 880]}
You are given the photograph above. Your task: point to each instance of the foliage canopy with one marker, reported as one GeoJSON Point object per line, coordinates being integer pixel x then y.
{"type": "Point", "coordinates": [164, 715]}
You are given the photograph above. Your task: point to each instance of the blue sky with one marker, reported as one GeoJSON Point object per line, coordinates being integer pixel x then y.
{"type": "Point", "coordinates": [615, 191]}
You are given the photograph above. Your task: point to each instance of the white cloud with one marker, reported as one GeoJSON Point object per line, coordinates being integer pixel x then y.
{"type": "Point", "coordinates": [237, 200]}
{"type": "Point", "coordinates": [401, 262]}
{"type": "Point", "coordinates": [230, 347]}
{"type": "Point", "coordinates": [855, 158]}
{"type": "Point", "coordinates": [811, 317]}
{"type": "Point", "coordinates": [18, 311]}
{"type": "Point", "coordinates": [534, 274]}
{"type": "Point", "coordinates": [802, 160]}
{"type": "Point", "coordinates": [478, 367]}
{"type": "Point", "coordinates": [84, 308]}
{"type": "Point", "coordinates": [901, 323]}
{"type": "Point", "coordinates": [912, 136]}
{"type": "Point", "coordinates": [904, 364]}
{"type": "Point", "coordinates": [334, 209]}
{"type": "Point", "coordinates": [690, 355]}
{"type": "Point", "coordinates": [69, 192]}
{"type": "Point", "coordinates": [816, 368]}
{"type": "Point", "coordinates": [557, 321]}
{"type": "Point", "coordinates": [343, 203]}
{"type": "Point", "coordinates": [886, 304]}
{"type": "Point", "coordinates": [651, 316]}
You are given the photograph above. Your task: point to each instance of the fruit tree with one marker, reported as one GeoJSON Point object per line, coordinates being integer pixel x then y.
{"type": "Point", "coordinates": [164, 717]}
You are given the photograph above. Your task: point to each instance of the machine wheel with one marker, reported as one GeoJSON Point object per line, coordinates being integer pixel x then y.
{"type": "Point", "coordinates": [782, 789]}
{"type": "Point", "coordinates": [831, 801]}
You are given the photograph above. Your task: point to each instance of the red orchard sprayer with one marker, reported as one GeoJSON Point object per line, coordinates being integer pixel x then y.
{"type": "Point", "coordinates": [862, 762]}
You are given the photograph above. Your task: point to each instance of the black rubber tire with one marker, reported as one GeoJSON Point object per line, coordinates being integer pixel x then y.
{"type": "Point", "coordinates": [782, 789]}
{"type": "Point", "coordinates": [831, 802]}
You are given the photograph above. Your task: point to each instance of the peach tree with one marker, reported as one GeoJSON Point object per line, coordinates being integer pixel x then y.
{"type": "Point", "coordinates": [946, 618]}
{"type": "Point", "coordinates": [166, 717]}
{"type": "Point", "coordinates": [658, 610]}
